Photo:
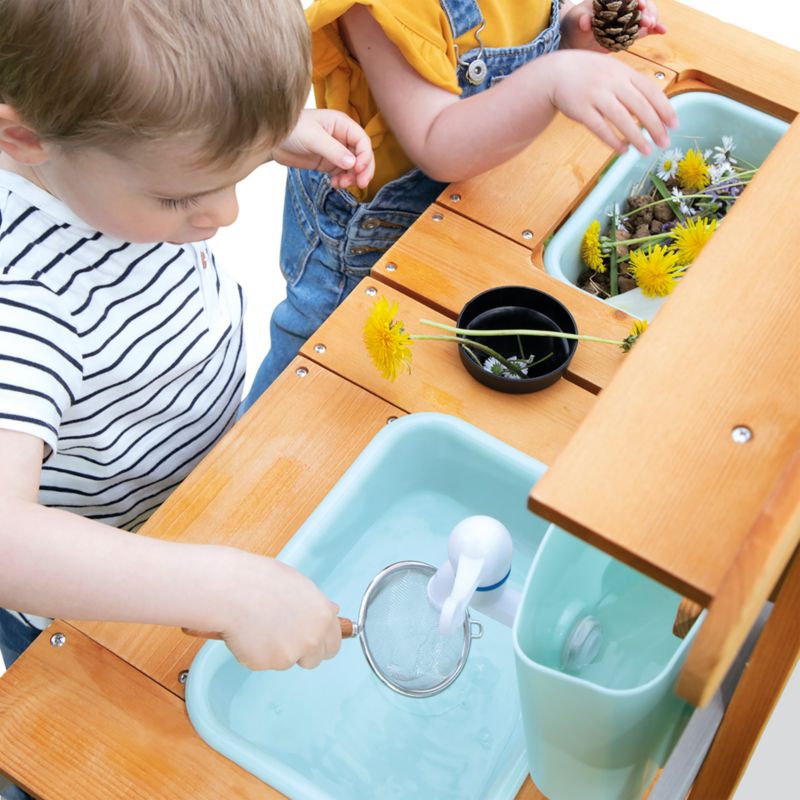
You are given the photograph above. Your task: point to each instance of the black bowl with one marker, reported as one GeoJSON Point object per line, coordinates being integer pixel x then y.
{"type": "Point", "coordinates": [519, 307]}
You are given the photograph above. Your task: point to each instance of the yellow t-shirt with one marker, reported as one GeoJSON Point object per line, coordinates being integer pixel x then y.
{"type": "Point", "coordinates": [421, 31]}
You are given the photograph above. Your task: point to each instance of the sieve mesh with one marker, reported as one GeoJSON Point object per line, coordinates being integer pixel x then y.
{"type": "Point", "coordinates": [401, 636]}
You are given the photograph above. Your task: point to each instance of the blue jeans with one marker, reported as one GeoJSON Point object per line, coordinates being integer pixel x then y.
{"type": "Point", "coordinates": [15, 637]}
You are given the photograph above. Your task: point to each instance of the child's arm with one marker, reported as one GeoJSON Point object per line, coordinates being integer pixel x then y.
{"type": "Point", "coordinates": [329, 141]}
{"type": "Point", "coordinates": [452, 139]}
{"type": "Point", "coordinates": [55, 563]}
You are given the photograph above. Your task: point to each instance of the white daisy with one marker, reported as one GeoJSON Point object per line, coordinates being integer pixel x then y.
{"type": "Point", "coordinates": [723, 152]}
{"type": "Point", "coordinates": [719, 172]}
{"type": "Point", "coordinates": [677, 195]}
{"type": "Point", "coordinates": [668, 164]}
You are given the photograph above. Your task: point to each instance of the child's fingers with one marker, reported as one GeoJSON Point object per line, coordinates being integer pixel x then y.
{"type": "Point", "coordinates": [640, 108]}
{"type": "Point", "coordinates": [621, 119]}
{"type": "Point", "coordinates": [596, 123]}
{"type": "Point", "coordinates": [657, 99]}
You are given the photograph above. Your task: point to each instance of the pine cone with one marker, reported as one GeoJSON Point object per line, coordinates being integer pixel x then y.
{"type": "Point", "coordinates": [615, 23]}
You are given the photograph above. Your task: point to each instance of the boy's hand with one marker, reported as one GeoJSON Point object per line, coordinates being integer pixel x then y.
{"type": "Point", "coordinates": [329, 141]}
{"type": "Point", "coordinates": [608, 97]}
{"type": "Point", "coordinates": [270, 615]}
{"type": "Point", "coordinates": [576, 25]}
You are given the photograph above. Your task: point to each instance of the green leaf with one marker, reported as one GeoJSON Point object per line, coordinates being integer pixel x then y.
{"type": "Point", "coordinates": [667, 195]}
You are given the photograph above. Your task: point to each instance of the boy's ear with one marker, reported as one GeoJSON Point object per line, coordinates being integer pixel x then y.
{"type": "Point", "coordinates": [18, 140]}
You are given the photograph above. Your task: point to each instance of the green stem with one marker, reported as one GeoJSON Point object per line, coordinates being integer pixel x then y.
{"type": "Point", "coordinates": [482, 347]}
{"type": "Point", "coordinates": [612, 259]}
{"type": "Point", "coordinates": [672, 198]}
{"type": "Point", "coordinates": [607, 244]}
{"type": "Point", "coordinates": [514, 332]}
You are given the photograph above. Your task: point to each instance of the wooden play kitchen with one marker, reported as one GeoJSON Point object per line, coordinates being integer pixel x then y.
{"type": "Point", "coordinates": [680, 459]}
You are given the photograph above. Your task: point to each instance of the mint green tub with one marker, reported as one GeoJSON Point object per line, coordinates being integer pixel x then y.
{"type": "Point", "coordinates": [704, 119]}
{"type": "Point", "coordinates": [599, 731]}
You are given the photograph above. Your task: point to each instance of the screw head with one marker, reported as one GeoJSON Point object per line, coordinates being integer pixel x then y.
{"type": "Point", "coordinates": [183, 676]}
{"type": "Point", "coordinates": [58, 640]}
{"type": "Point", "coordinates": [741, 434]}
{"type": "Point", "coordinates": [455, 197]}
{"type": "Point", "coordinates": [391, 267]}
{"type": "Point", "coordinates": [301, 372]}
{"type": "Point", "coordinates": [527, 234]}
{"type": "Point", "coordinates": [660, 76]}
{"type": "Point", "coordinates": [320, 348]}
{"type": "Point", "coordinates": [391, 419]}
{"type": "Point", "coordinates": [370, 291]}
{"type": "Point", "coordinates": [437, 217]}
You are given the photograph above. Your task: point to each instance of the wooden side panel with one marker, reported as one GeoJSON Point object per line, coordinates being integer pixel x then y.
{"type": "Point", "coordinates": [744, 66]}
{"type": "Point", "coordinates": [654, 475]}
{"type": "Point", "coordinates": [254, 490]}
{"type": "Point", "coordinates": [449, 259]}
{"type": "Point", "coordinates": [539, 424]}
{"type": "Point", "coordinates": [527, 198]}
{"type": "Point", "coordinates": [78, 722]}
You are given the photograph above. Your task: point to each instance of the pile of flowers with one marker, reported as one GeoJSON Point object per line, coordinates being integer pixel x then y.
{"type": "Point", "coordinates": [668, 219]}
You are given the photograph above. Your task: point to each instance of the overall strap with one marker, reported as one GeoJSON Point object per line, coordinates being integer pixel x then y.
{"type": "Point", "coordinates": [463, 15]}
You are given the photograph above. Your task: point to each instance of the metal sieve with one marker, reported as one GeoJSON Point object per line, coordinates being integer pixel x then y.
{"type": "Point", "coordinates": [399, 632]}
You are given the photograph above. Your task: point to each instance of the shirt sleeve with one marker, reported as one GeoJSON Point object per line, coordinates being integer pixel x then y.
{"type": "Point", "coordinates": [419, 29]}
{"type": "Point", "coordinates": [40, 364]}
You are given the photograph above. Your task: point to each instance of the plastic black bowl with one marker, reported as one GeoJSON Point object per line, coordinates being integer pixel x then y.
{"type": "Point", "coordinates": [519, 307]}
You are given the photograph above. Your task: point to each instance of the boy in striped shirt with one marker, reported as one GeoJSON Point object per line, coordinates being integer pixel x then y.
{"type": "Point", "coordinates": [124, 128]}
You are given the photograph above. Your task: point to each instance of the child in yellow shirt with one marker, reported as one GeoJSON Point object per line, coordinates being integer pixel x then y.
{"type": "Point", "coordinates": [445, 91]}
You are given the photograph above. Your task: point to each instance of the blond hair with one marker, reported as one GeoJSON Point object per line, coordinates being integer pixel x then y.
{"type": "Point", "coordinates": [104, 73]}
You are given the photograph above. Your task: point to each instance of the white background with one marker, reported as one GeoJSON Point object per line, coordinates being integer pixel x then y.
{"type": "Point", "coordinates": [249, 250]}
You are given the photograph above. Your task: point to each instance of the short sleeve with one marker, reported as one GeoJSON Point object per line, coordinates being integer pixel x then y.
{"type": "Point", "coordinates": [40, 364]}
{"type": "Point", "coordinates": [419, 29]}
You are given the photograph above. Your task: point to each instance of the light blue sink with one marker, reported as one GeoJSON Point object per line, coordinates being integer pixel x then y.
{"type": "Point", "coordinates": [704, 118]}
{"type": "Point", "coordinates": [336, 732]}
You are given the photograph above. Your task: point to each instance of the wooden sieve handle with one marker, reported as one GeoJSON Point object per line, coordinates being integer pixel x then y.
{"type": "Point", "coordinates": [347, 627]}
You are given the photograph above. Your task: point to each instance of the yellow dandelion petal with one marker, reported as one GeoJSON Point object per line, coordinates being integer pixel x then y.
{"type": "Point", "coordinates": [637, 329]}
{"type": "Point", "coordinates": [693, 174]}
{"type": "Point", "coordinates": [591, 252]}
{"type": "Point", "coordinates": [656, 271]}
{"type": "Point", "coordinates": [386, 340]}
{"type": "Point", "coordinates": [690, 237]}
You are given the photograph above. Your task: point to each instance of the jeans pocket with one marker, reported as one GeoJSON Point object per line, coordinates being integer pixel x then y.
{"type": "Point", "coordinates": [299, 237]}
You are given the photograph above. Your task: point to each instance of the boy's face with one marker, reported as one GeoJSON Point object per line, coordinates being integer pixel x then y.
{"type": "Point", "coordinates": [156, 193]}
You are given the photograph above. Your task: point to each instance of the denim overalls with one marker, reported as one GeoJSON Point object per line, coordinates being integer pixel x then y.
{"type": "Point", "coordinates": [330, 240]}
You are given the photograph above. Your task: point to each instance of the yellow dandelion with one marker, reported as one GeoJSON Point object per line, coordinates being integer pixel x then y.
{"type": "Point", "coordinates": [693, 174]}
{"type": "Point", "coordinates": [591, 252]}
{"type": "Point", "coordinates": [637, 329]}
{"type": "Point", "coordinates": [386, 340]}
{"type": "Point", "coordinates": [656, 271]}
{"type": "Point", "coordinates": [690, 237]}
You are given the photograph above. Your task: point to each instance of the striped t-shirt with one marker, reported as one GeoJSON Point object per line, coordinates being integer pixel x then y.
{"type": "Point", "coordinates": [127, 360]}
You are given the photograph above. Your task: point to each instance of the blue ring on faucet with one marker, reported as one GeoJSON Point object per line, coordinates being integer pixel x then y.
{"type": "Point", "coordinates": [494, 585]}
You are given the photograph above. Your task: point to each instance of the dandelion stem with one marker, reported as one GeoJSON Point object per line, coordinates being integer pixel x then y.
{"type": "Point", "coordinates": [514, 332]}
{"type": "Point", "coordinates": [612, 259]}
{"type": "Point", "coordinates": [607, 244]}
{"type": "Point", "coordinates": [510, 366]}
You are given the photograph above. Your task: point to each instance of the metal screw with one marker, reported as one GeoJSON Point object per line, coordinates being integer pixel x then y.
{"type": "Point", "coordinates": [660, 76]}
{"type": "Point", "coordinates": [58, 640]}
{"type": "Point", "coordinates": [320, 348]}
{"type": "Point", "coordinates": [183, 676]}
{"type": "Point", "coordinates": [301, 372]}
{"type": "Point", "coordinates": [741, 434]}
{"type": "Point", "coordinates": [390, 419]}
{"type": "Point", "coordinates": [527, 234]}
{"type": "Point", "coordinates": [437, 217]}
{"type": "Point", "coordinates": [370, 291]}
{"type": "Point", "coordinates": [391, 266]}
{"type": "Point", "coordinates": [455, 197]}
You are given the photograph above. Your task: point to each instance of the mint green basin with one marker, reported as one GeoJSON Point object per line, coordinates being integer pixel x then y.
{"type": "Point", "coordinates": [704, 119]}
{"type": "Point", "coordinates": [336, 732]}
{"type": "Point", "coordinates": [599, 731]}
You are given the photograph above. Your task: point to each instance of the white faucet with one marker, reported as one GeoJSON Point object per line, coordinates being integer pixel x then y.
{"type": "Point", "coordinates": [475, 574]}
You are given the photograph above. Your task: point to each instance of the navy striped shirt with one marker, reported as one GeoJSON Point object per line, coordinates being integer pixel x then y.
{"type": "Point", "coordinates": [127, 360]}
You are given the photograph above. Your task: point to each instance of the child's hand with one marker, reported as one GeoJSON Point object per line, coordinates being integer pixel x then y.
{"type": "Point", "coordinates": [329, 141]}
{"type": "Point", "coordinates": [272, 616]}
{"type": "Point", "coordinates": [608, 97]}
{"type": "Point", "coordinates": [576, 25]}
